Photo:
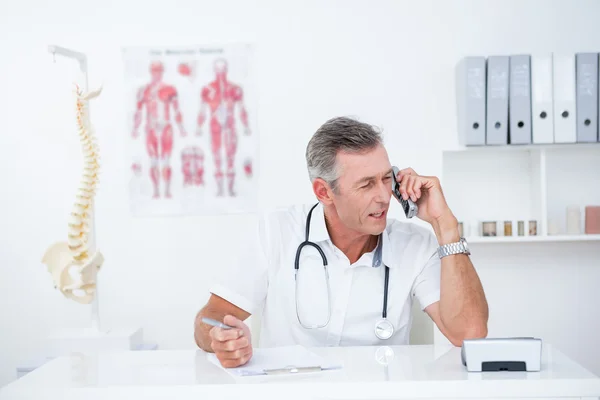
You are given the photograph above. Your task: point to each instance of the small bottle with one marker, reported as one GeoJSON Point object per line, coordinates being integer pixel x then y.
{"type": "Point", "coordinates": [532, 228]}
{"type": "Point", "coordinates": [573, 220]}
{"type": "Point", "coordinates": [521, 228]}
{"type": "Point", "coordinates": [507, 228]}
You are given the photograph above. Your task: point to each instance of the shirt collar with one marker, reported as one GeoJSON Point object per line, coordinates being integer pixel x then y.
{"type": "Point", "coordinates": [318, 228]}
{"type": "Point", "coordinates": [318, 233]}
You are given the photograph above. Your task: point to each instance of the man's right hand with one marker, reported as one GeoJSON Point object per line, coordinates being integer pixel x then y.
{"type": "Point", "coordinates": [233, 347]}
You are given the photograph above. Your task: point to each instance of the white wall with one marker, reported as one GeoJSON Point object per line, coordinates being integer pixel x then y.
{"type": "Point", "coordinates": [389, 62]}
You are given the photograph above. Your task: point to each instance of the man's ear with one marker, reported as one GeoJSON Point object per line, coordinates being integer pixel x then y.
{"type": "Point", "coordinates": [322, 191]}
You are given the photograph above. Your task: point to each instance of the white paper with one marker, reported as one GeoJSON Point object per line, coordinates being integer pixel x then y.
{"type": "Point", "coordinates": [278, 357]}
{"type": "Point", "coordinates": [191, 128]}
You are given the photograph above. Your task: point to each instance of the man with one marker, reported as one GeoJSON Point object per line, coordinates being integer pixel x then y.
{"type": "Point", "coordinates": [375, 266]}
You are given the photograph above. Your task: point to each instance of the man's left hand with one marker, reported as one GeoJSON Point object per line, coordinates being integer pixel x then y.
{"type": "Point", "coordinates": [426, 192]}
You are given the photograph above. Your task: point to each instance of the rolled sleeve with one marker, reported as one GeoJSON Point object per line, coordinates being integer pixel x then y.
{"type": "Point", "coordinates": [426, 287]}
{"type": "Point", "coordinates": [244, 281]}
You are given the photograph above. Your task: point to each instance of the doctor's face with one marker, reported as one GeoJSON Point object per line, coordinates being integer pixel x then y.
{"type": "Point", "coordinates": [364, 190]}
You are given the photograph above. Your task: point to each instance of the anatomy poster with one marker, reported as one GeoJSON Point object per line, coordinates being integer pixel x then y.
{"type": "Point", "coordinates": [191, 124]}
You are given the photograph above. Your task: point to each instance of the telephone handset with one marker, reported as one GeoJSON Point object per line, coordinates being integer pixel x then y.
{"type": "Point", "coordinates": [409, 207]}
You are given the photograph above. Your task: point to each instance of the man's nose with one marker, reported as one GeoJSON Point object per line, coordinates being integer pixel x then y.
{"type": "Point", "coordinates": [384, 192]}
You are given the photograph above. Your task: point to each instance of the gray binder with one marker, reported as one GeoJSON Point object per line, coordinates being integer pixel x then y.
{"type": "Point", "coordinates": [497, 100]}
{"type": "Point", "coordinates": [520, 100]}
{"type": "Point", "coordinates": [586, 99]}
{"type": "Point", "coordinates": [470, 101]}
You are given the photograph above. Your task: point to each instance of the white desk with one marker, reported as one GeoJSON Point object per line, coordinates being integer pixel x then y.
{"type": "Point", "coordinates": [413, 372]}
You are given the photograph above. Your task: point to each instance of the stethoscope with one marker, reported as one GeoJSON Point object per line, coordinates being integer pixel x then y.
{"type": "Point", "coordinates": [384, 329]}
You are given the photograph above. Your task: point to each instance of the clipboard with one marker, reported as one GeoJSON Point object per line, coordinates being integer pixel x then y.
{"type": "Point", "coordinates": [285, 360]}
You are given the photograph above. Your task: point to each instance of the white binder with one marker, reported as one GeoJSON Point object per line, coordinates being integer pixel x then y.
{"type": "Point", "coordinates": [586, 100]}
{"type": "Point", "coordinates": [564, 98]}
{"type": "Point", "coordinates": [470, 100]}
{"type": "Point", "coordinates": [519, 103]}
{"type": "Point", "coordinates": [497, 100]}
{"type": "Point", "coordinates": [542, 108]}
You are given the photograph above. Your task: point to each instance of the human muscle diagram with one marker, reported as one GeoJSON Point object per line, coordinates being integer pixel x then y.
{"type": "Point", "coordinates": [191, 116]}
{"type": "Point", "coordinates": [220, 98]}
{"type": "Point", "coordinates": [160, 100]}
{"type": "Point", "coordinates": [192, 166]}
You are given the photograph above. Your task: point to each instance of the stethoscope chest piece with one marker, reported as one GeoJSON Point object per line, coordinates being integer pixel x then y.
{"type": "Point", "coordinates": [384, 329]}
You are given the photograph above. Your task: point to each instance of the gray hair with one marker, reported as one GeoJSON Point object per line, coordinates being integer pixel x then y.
{"type": "Point", "coordinates": [338, 134]}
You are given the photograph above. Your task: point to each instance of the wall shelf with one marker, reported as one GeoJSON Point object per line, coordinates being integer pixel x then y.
{"type": "Point", "coordinates": [522, 183]}
{"type": "Point", "coordinates": [528, 239]}
{"type": "Point", "coordinates": [526, 147]}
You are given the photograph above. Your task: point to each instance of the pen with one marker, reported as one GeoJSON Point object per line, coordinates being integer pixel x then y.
{"type": "Point", "coordinates": [218, 324]}
{"type": "Point", "coordinates": [292, 370]}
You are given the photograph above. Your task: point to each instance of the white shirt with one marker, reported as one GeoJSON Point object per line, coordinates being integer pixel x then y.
{"type": "Point", "coordinates": [263, 282]}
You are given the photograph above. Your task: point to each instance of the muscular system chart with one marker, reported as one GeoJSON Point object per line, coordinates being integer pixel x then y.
{"type": "Point", "coordinates": [190, 115]}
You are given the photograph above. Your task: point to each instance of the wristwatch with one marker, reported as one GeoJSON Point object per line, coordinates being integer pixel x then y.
{"type": "Point", "coordinates": [454, 248]}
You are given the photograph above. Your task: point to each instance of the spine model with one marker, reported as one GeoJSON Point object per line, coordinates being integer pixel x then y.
{"type": "Point", "coordinates": [74, 264]}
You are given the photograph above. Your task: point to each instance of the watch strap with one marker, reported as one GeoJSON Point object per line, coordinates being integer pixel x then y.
{"type": "Point", "coordinates": [453, 248]}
